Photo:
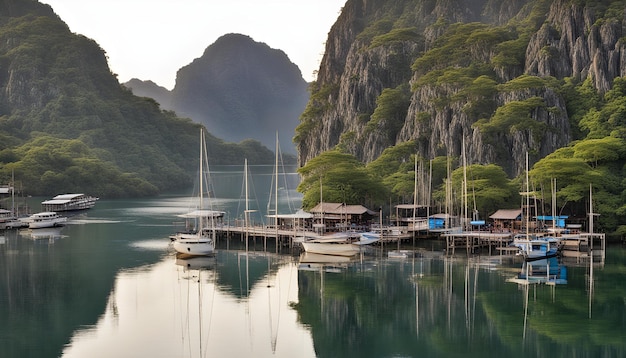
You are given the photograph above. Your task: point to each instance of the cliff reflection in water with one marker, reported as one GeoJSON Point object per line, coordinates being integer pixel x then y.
{"type": "Point", "coordinates": [446, 307]}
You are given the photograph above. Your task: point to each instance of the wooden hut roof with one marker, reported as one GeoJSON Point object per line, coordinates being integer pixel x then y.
{"type": "Point", "coordinates": [506, 214]}
{"type": "Point", "coordinates": [341, 209]}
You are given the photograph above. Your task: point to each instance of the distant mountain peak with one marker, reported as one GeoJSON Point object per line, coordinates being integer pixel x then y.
{"type": "Point", "coordinates": [239, 89]}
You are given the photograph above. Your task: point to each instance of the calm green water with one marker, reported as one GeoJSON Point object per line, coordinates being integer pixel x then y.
{"type": "Point", "coordinates": [109, 285]}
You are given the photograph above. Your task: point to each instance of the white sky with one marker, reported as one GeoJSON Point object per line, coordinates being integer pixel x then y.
{"type": "Point", "coordinates": [152, 39]}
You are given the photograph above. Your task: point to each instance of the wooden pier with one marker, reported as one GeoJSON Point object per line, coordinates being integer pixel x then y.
{"type": "Point", "coordinates": [579, 247]}
{"type": "Point", "coordinates": [286, 235]}
{"type": "Point", "coordinates": [472, 240]}
{"type": "Point", "coordinates": [281, 236]}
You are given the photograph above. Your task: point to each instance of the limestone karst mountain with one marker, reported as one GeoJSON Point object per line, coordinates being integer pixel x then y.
{"type": "Point", "coordinates": [435, 72]}
{"type": "Point", "coordinates": [238, 89]}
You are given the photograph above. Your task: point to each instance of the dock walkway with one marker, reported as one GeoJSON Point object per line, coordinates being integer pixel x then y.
{"type": "Point", "coordinates": [472, 240]}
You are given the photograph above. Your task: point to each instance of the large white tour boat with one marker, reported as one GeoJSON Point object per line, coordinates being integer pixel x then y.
{"type": "Point", "coordinates": [69, 202]}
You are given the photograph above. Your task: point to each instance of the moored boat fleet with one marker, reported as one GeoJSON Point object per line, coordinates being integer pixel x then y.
{"type": "Point", "coordinates": [339, 229]}
{"type": "Point", "coordinates": [50, 217]}
{"type": "Point", "coordinates": [332, 232]}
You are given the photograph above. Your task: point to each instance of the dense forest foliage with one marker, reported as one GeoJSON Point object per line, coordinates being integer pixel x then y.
{"type": "Point", "coordinates": [67, 125]}
{"type": "Point", "coordinates": [472, 58]}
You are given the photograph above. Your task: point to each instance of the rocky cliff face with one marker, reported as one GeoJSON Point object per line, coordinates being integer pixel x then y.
{"type": "Point", "coordinates": [474, 70]}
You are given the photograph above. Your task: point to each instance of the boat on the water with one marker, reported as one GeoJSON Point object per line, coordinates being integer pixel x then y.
{"type": "Point", "coordinates": [200, 240]}
{"type": "Point", "coordinates": [537, 248]}
{"type": "Point", "coordinates": [16, 223]}
{"type": "Point", "coordinates": [197, 242]}
{"type": "Point", "coordinates": [341, 244]}
{"type": "Point", "coordinates": [6, 216]}
{"type": "Point", "coordinates": [45, 219]}
{"type": "Point", "coordinates": [69, 202]}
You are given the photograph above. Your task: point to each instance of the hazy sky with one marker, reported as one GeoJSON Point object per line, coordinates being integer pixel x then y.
{"type": "Point", "coordinates": [152, 39]}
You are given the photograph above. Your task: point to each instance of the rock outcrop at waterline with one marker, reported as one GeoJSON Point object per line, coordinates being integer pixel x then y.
{"type": "Point", "coordinates": [437, 72]}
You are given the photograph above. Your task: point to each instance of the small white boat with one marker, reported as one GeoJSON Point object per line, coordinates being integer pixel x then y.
{"type": "Point", "coordinates": [45, 219]}
{"type": "Point", "coordinates": [338, 244]}
{"type": "Point", "coordinates": [331, 247]}
{"type": "Point", "coordinates": [5, 217]}
{"type": "Point", "coordinates": [193, 244]}
{"type": "Point", "coordinates": [537, 248]}
{"type": "Point", "coordinates": [17, 223]}
{"type": "Point", "coordinates": [366, 238]}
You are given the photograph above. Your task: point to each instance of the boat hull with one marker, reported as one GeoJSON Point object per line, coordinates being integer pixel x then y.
{"type": "Point", "coordinates": [45, 220]}
{"type": "Point", "coordinates": [340, 249]}
{"type": "Point", "coordinates": [541, 255]}
{"type": "Point", "coordinates": [538, 249]}
{"type": "Point", "coordinates": [193, 245]}
{"type": "Point", "coordinates": [47, 224]}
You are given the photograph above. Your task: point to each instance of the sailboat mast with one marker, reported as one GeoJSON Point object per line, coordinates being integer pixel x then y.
{"type": "Point", "coordinates": [448, 193]}
{"type": "Point", "coordinates": [276, 191]}
{"type": "Point", "coordinates": [246, 214]}
{"type": "Point", "coordinates": [527, 200]}
{"type": "Point", "coordinates": [590, 213]}
{"type": "Point", "coordinates": [13, 213]}
{"type": "Point", "coordinates": [464, 226]}
{"type": "Point", "coordinates": [276, 182]}
{"type": "Point", "coordinates": [201, 184]}
{"type": "Point", "coordinates": [415, 192]}
{"type": "Point", "coordinates": [322, 203]}
{"type": "Point", "coordinates": [245, 175]}
{"type": "Point", "coordinates": [430, 184]}
{"type": "Point", "coordinates": [554, 205]}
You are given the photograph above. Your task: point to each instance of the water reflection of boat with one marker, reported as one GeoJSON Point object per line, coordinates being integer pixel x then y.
{"type": "Point", "coordinates": [547, 271]}
{"type": "Point", "coordinates": [402, 254]}
{"type": "Point", "coordinates": [319, 262]}
{"type": "Point", "coordinates": [310, 257]}
{"type": "Point", "coordinates": [45, 233]}
{"type": "Point", "coordinates": [197, 271]}
{"type": "Point", "coordinates": [195, 262]}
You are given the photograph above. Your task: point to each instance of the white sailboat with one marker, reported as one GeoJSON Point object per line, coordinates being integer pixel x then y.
{"type": "Point", "coordinates": [200, 241]}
